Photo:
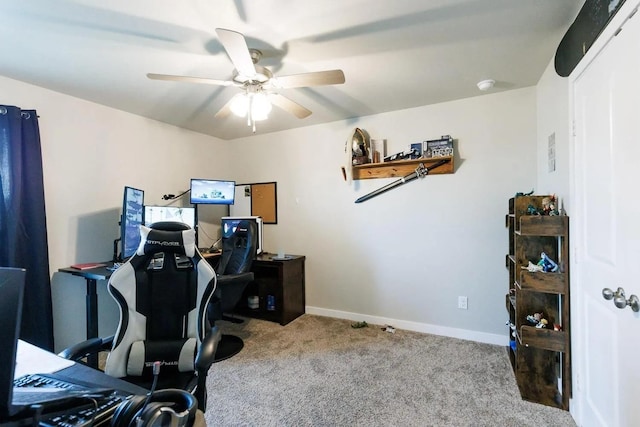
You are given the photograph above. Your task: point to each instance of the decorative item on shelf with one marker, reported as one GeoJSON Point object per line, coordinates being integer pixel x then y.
{"type": "Point", "coordinates": [538, 320]}
{"type": "Point", "coordinates": [378, 148]}
{"type": "Point", "coordinates": [519, 194]}
{"type": "Point", "coordinates": [512, 326]}
{"type": "Point", "coordinates": [548, 265]}
{"type": "Point", "coordinates": [357, 149]}
{"type": "Point", "coordinates": [549, 206]}
{"type": "Point", "coordinates": [533, 267]}
{"type": "Point", "coordinates": [402, 155]}
{"type": "Point", "coordinates": [442, 147]}
{"type": "Point", "coordinates": [416, 150]}
{"type": "Point", "coordinates": [360, 148]}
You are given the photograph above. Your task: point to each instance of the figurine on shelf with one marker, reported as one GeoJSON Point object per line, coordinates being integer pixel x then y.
{"type": "Point", "coordinates": [538, 320]}
{"type": "Point", "coordinates": [532, 267]}
{"type": "Point", "coordinates": [518, 194]}
{"type": "Point", "coordinates": [535, 318]}
{"type": "Point", "coordinates": [542, 324]}
{"type": "Point", "coordinates": [547, 264]}
{"type": "Point", "coordinates": [549, 205]}
{"type": "Point", "coordinates": [531, 210]}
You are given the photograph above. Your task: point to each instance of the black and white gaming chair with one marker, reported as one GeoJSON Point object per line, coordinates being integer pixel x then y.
{"type": "Point", "coordinates": [163, 292]}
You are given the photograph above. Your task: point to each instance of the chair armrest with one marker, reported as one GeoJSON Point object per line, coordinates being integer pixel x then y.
{"type": "Point", "coordinates": [207, 351]}
{"type": "Point", "coordinates": [85, 348]}
{"type": "Point", "coordinates": [204, 359]}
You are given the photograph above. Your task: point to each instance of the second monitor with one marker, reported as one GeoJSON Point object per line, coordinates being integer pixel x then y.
{"type": "Point", "coordinates": [170, 213]}
{"type": "Point", "coordinates": [229, 224]}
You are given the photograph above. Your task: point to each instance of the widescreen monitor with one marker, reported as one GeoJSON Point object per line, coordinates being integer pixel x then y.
{"type": "Point", "coordinates": [212, 192]}
{"type": "Point", "coordinates": [132, 217]}
{"type": "Point", "coordinates": [170, 213]}
{"type": "Point", "coordinates": [230, 223]}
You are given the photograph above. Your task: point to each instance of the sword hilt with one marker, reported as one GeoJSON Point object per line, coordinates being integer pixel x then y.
{"type": "Point", "coordinates": [421, 171]}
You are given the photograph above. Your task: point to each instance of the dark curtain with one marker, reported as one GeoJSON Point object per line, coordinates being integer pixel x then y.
{"type": "Point", "coordinates": [23, 229]}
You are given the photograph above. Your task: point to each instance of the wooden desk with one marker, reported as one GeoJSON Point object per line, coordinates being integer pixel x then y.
{"type": "Point", "coordinates": [91, 276]}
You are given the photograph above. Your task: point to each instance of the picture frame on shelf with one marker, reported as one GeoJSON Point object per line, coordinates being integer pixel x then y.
{"type": "Point", "coordinates": [416, 150]}
{"type": "Point", "coordinates": [442, 147]}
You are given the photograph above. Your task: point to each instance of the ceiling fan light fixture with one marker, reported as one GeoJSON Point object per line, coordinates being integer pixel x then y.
{"type": "Point", "coordinates": [258, 103]}
{"type": "Point", "coordinates": [260, 106]}
{"type": "Point", "coordinates": [240, 104]}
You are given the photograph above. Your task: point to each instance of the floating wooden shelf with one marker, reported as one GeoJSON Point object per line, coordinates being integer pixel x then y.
{"type": "Point", "coordinates": [400, 168]}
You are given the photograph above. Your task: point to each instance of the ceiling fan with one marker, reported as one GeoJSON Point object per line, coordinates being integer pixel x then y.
{"type": "Point", "coordinates": [259, 87]}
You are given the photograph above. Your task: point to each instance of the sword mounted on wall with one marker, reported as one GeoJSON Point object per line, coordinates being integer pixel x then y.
{"type": "Point", "coordinates": [420, 172]}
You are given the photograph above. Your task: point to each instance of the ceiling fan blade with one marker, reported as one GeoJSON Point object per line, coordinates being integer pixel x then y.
{"type": "Point", "coordinates": [238, 51]}
{"type": "Point", "coordinates": [318, 78]}
{"type": "Point", "coordinates": [190, 79]}
{"type": "Point", "coordinates": [289, 106]}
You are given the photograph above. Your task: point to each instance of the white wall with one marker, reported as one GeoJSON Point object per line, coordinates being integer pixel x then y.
{"type": "Point", "coordinates": [405, 256]}
{"type": "Point", "coordinates": [90, 152]}
{"type": "Point", "coordinates": [401, 258]}
{"type": "Point", "coordinates": [552, 93]}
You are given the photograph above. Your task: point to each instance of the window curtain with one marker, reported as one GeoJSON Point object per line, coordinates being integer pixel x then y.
{"type": "Point", "coordinates": [23, 229]}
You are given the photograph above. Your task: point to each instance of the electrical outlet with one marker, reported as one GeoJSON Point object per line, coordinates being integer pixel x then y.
{"type": "Point", "coordinates": [462, 303]}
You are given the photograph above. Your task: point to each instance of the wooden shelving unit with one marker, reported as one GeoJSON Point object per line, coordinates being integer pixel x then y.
{"type": "Point", "coordinates": [400, 168]}
{"type": "Point", "coordinates": [540, 357]}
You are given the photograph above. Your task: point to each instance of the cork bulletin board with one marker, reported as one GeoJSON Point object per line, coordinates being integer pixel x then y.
{"type": "Point", "coordinates": [264, 201]}
{"type": "Point", "coordinates": [257, 199]}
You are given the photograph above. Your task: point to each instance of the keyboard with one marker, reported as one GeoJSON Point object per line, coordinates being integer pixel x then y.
{"type": "Point", "coordinates": [66, 403]}
{"type": "Point", "coordinates": [90, 414]}
{"type": "Point", "coordinates": [41, 389]}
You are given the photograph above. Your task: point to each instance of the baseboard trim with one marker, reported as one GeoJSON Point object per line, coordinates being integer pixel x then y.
{"type": "Point", "coordinates": [426, 328]}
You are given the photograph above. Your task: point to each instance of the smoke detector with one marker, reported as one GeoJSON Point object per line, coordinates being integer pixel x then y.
{"type": "Point", "coordinates": [486, 84]}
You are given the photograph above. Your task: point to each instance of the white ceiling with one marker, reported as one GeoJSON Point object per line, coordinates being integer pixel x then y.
{"type": "Point", "coordinates": [395, 54]}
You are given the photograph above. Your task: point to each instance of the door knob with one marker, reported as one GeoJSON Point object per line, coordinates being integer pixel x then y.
{"type": "Point", "coordinates": [620, 300]}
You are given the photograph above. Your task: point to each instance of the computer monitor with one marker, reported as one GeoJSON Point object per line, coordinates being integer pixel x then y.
{"type": "Point", "coordinates": [229, 224]}
{"type": "Point", "coordinates": [132, 218]}
{"type": "Point", "coordinates": [212, 192]}
{"type": "Point", "coordinates": [186, 215]}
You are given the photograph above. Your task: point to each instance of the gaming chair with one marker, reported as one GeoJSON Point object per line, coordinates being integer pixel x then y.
{"type": "Point", "coordinates": [234, 274]}
{"type": "Point", "coordinates": [162, 293]}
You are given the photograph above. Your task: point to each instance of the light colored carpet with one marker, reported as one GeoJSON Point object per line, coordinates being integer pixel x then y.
{"type": "Point", "coordinates": [319, 371]}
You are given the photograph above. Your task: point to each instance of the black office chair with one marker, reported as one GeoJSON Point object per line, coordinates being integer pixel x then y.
{"type": "Point", "coordinates": [234, 274]}
{"type": "Point", "coordinates": [162, 292]}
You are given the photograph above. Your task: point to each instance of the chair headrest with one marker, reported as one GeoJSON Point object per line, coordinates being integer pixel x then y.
{"type": "Point", "coordinates": [181, 242]}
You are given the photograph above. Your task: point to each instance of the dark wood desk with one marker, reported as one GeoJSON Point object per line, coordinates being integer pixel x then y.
{"type": "Point", "coordinates": [92, 276]}
{"type": "Point", "coordinates": [282, 281]}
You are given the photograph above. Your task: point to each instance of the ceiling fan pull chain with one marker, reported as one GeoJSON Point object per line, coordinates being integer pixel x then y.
{"type": "Point", "coordinates": [250, 121]}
